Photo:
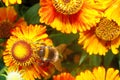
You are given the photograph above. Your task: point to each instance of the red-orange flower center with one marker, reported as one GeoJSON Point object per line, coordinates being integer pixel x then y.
{"type": "Point", "coordinates": [66, 1]}
{"type": "Point", "coordinates": [5, 27]}
{"type": "Point", "coordinates": [67, 7]}
{"type": "Point", "coordinates": [21, 51]}
{"type": "Point", "coordinates": [107, 30]}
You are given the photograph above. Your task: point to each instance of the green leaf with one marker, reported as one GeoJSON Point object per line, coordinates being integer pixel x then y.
{"type": "Point", "coordinates": [70, 66]}
{"type": "Point", "coordinates": [2, 78]}
{"type": "Point", "coordinates": [108, 58]}
{"type": "Point", "coordinates": [2, 65]}
{"type": "Point", "coordinates": [119, 58]}
{"type": "Point", "coordinates": [2, 4]}
{"type": "Point", "coordinates": [2, 40]}
{"type": "Point", "coordinates": [75, 46]}
{"type": "Point", "coordinates": [95, 60]}
{"type": "Point", "coordinates": [20, 9]}
{"type": "Point", "coordinates": [76, 71]}
{"type": "Point", "coordinates": [83, 57]}
{"type": "Point", "coordinates": [31, 16]}
{"type": "Point", "coordinates": [60, 38]}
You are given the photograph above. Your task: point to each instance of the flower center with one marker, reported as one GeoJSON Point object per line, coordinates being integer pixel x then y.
{"type": "Point", "coordinates": [66, 1]}
{"type": "Point", "coordinates": [107, 30]}
{"type": "Point", "coordinates": [67, 7]}
{"type": "Point", "coordinates": [5, 28]}
{"type": "Point", "coordinates": [21, 51]}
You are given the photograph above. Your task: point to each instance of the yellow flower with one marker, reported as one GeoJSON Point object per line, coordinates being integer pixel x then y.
{"type": "Point", "coordinates": [106, 35]}
{"type": "Point", "coordinates": [9, 2]}
{"type": "Point", "coordinates": [63, 76]}
{"type": "Point", "coordinates": [99, 74]}
{"type": "Point", "coordinates": [113, 11]}
{"type": "Point", "coordinates": [8, 20]}
{"type": "Point", "coordinates": [20, 53]}
{"type": "Point", "coordinates": [102, 4]}
{"type": "Point", "coordinates": [69, 15]}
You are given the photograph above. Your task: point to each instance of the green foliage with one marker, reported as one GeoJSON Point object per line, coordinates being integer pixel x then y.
{"type": "Point", "coordinates": [2, 40]}
{"type": "Point", "coordinates": [95, 60]}
{"type": "Point", "coordinates": [108, 59]}
{"type": "Point", "coordinates": [31, 16]}
{"type": "Point", "coordinates": [21, 9]}
{"type": "Point", "coordinates": [2, 78]}
{"type": "Point", "coordinates": [2, 65]}
{"type": "Point", "coordinates": [1, 4]}
{"type": "Point", "coordinates": [83, 57]}
{"type": "Point", "coordinates": [60, 38]}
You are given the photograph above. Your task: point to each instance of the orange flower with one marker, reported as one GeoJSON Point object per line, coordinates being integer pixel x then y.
{"type": "Point", "coordinates": [69, 15]}
{"type": "Point", "coordinates": [9, 2]}
{"type": "Point", "coordinates": [99, 74]}
{"type": "Point", "coordinates": [8, 17]}
{"type": "Point", "coordinates": [63, 76]}
{"type": "Point", "coordinates": [21, 54]}
{"type": "Point", "coordinates": [106, 35]}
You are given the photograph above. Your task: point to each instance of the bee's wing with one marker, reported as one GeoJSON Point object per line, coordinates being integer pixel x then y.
{"type": "Point", "coordinates": [58, 65]}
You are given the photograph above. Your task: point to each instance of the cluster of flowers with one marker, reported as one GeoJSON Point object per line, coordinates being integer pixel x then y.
{"type": "Point", "coordinates": [97, 74]}
{"type": "Point", "coordinates": [97, 22]}
{"type": "Point", "coordinates": [20, 53]}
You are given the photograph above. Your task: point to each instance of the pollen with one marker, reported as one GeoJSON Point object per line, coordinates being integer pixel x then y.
{"type": "Point", "coordinates": [5, 27]}
{"type": "Point", "coordinates": [67, 7]}
{"type": "Point", "coordinates": [21, 51]}
{"type": "Point", "coordinates": [107, 30]}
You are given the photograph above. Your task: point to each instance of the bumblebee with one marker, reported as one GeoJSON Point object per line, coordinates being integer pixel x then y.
{"type": "Point", "coordinates": [48, 53]}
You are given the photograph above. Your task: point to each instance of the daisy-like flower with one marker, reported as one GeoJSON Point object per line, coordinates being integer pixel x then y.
{"type": "Point", "coordinates": [99, 74]}
{"type": "Point", "coordinates": [8, 20]}
{"type": "Point", "coordinates": [20, 53]}
{"type": "Point", "coordinates": [9, 2]}
{"type": "Point", "coordinates": [63, 76]}
{"type": "Point", "coordinates": [69, 15]}
{"type": "Point", "coordinates": [14, 75]}
{"type": "Point", "coordinates": [106, 35]}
